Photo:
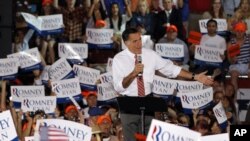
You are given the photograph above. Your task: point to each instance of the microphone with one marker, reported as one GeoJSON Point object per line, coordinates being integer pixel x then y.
{"type": "Point", "coordinates": [139, 59]}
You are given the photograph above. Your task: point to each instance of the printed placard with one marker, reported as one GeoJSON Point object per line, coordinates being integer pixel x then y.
{"type": "Point", "coordinates": [106, 92]}
{"type": "Point", "coordinates": [170, 51]}
{"type": "Point", "coordinates": [188, 86]}
{"type": "Point", "coordinates": [220, 115]}
{"type": "Point", "coordinates": [100, 38]}
{"type": "Point", "coordinates": [196, 99]}
{"type": "Point", "coordinates": [45, 103]}
{"type": "Point", "coordinates": [8, 68]}
{"type": "Point", "coordinates": [61, 69]}
{"type": "Point", "coordinates": [109, 65]}
{"type": "Point", "coordinates": [45, 75]}
{"type": "Point", "coordinates": [207, 55]}
{"type": "Point", "coordinates": [163, 131]}
{"type": "Point", "coordinates": [45, 25]}
{"type": "Point", "coordinates": [106, 77]}
{"type": "Point", "coordinates": [19, 92]}
{"type": "Point", "coordinates": [222, 25]}
{"type": "Point", "coordinates": [65, 89]}
{"type": "Point", "coordinates": [75, 131]}
{"type": "Point", "coordinates": [7, 128]}
{"type": "Point", "coordinates": [87, 76]}
{"type": "Point", "coordinates": [29, 60]}
{"type": "Point", "coordinates": [217, 137]}
{"type": "Point", "coordinates": [30, 138]}
{"type": "Point", "coordinates": [163, 86]}
{"type": "Point", "coordinates": [73, 52]}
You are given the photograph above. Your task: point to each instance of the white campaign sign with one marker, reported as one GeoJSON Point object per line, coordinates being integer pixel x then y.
{"type": "Point", "coordinates": [8, 67]}
{"type": "Point", "coordinates": [30, 138]}
{"type": "Point", "coordinates": [163, 86]}
{"type": "Point", "coordinates": [45, 74]}
{"type": "Point", "coordinates": [163, 131]}
{"type": "Point", "coordinates": [86, 75]}
{"type": "Point", "coordinates": [188, 86]}
{"type": "Point", "coordinates": [222, 25]}
{"type": "Point", "coordinates": [219, 113]}
{"type": "Point", "coordinates": [99, 36]}
{"type": "Point", "coordinates": [19, 92]}
{"type": "Point", "coordinates": [217, 137]}
{"type": "Point", "coordinates": [106, 91]}
{"type": "Point", "coordinates": [109, 65]}
{"type": "Point", "coordinates": [66, 88]}
{"type": "Point", "coordinates": [196, 99]}
{"type": "Point", "coordinates": [75, 131]}
{"type": "Point", "coordinates": [44, 23]}
{"type": "Point", "coordinates": [45, 103]}
{"type": "Point", "coordinates": [208, 54]}
{"type": "Point", "coordinates": [170, 50]}
{"type": "Point", "coordinates": [27, 58]}
{"type": "Point", "coordinates": [7, 127]}
{"type": "Point", "coordinates": [73, 50]}
{"type": "Point", "coordinates": [106, 77]}
{"type": "Point", "coordinates": [60, 69]}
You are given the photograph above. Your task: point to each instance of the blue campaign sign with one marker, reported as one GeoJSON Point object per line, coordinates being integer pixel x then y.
{"type": "Point", "coordinates": [120, 3]}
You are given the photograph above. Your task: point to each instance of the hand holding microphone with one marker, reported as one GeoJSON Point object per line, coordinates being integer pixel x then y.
{"type": "Point", "coordinates": [139, 66]}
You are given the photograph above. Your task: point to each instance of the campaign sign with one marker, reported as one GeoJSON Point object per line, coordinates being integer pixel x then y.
{"type": "Point", "coordinates": [75, 53]}
{"type": "Point", "coordinates": [207, 55]}
{"type": "Point", "coordinates": [220, 115]}
{"type": "Point", "coordinates": [109, 65]}
{"type": "Point", "coordinates": [243, 101]}
{"type": "Point", "coordinates": [45, 75]}
{"type": "Point", "coordinates": [188, 86]}
{"type": "Point", "coordinates": [8, 68]}
{"type": "Point", "coordinates": [163, 131]}
{"type": "Point", "coordinates": [19, 92]}
{"type": "Point", "coordinates": [30, 138]}
{"type": "Point", "coordinates": [45, 25]}
{"type": "Point", "coordinates": [106, 92]}
{"type": "Point", "coordinates": [65, 89]}
{"type": "Point", "coordinates": [217, 137]}
{"type": "Point", "coordinates": [29, 60]}
{"type": "Point", "coordinates": [173, 52]}
{"type": "Point", "coordinates": [163, 86]}
{"type": "Point", "coordinates": [106, 77]}
{"type": "Point", "coordinates": [87, 77]}
{"type": "Point", "coordinates": [100, 38]}
{"type": "Point", "coordinates": [196, 99]}
{"type": "Point", "coordinates": [75, 131]}
{"type": "Point", "coordinates": [61, 69]}
{"type": "Point", "coordinates": [7, 127]}
{"type": "Point", "coordinates": [222, 25]}
{"type": "Point", "coordinates": [45, 103]}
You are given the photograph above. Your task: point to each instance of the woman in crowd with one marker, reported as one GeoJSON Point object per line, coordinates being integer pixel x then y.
{"type": "Point", "coordinates": [216, 11]}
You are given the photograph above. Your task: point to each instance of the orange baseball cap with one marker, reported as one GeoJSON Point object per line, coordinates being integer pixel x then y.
{"type": "Point", "coordinates": [100, 23]}
{"type": "Point", "coordinates": [172, 27]}
{"type": "Point", "coordinates": [86, 94]}
{"type": "Point", "coordinates": [70, 107]}
{"type": "Point", "coordinates": [103, 118]}
{"type": "Point", "coordinates": [240, 26]}
{"type": "Point", "coordinates": [45, 2]}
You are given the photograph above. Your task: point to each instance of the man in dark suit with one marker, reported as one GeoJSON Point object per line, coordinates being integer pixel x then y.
{"type": "Point", "coordinates": [170, 15]}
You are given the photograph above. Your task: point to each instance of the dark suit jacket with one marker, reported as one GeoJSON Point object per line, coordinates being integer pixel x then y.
{"type": "Point", "coordinates": [174, 19]}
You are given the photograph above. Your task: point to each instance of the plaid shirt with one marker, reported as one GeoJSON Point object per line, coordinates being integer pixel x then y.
{"type": "Point", "coordinates": [73, 22]}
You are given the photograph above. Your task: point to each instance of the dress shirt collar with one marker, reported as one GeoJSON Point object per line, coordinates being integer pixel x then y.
{"type": "Point", "coordinates": [168, 12]}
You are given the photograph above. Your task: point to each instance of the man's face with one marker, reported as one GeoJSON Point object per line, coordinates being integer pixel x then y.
{"type": "Point", "coordinates": [171, 35]}
{"type": "Point", "coordinates": [167, 4]}
{"type": "Point", "coordinates": [92, 100]}
{"type": "Point", "coordinates": [211, 28]}
{"type": "Point", "coordinates": [134, 43]}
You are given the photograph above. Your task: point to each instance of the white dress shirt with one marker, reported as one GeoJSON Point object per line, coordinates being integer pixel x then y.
{"type": "Point", "coordinates": [124, 63]}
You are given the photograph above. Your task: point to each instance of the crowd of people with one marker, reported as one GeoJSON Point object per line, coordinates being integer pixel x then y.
{"type": "Point", "coordinates": [166, 22]}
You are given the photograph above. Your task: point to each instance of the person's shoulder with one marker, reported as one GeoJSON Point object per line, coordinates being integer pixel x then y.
{"type": "Point", "coordinates": [120, 54]}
